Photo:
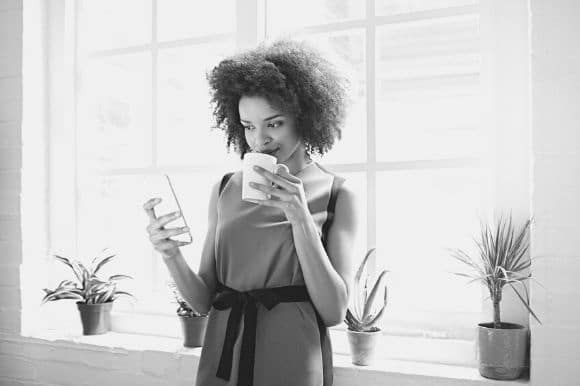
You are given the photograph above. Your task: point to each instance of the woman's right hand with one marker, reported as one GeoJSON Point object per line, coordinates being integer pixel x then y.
{"type": "Point", "coordinates": [158, 235]}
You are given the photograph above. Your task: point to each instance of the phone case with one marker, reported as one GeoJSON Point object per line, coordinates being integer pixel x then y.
{"type": "Point", "coordinates": [169, 204]}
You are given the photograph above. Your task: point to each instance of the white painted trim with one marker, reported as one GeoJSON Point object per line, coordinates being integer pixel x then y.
{"type": "Point", "coordinates": [381, 372]}
{"type": "Point", "coordinates": [61, 122]}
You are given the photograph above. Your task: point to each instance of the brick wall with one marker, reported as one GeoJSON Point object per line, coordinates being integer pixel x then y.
{"type": "Point", "coordinates": [10, 162]}
{"type": "Point", "coordinates": [555, 68]}
{"type": "Point", "coordinates": [555, 179]}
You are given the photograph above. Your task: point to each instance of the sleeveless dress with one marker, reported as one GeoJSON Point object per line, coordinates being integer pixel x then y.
{"type": "Point", "coordinates": [262, 329]}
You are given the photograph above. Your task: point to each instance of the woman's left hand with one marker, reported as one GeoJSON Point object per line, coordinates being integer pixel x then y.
{"type": "Point", "coordinates": [286, 194]}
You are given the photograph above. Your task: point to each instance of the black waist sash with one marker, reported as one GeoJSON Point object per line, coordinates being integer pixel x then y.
{"type": "Point", "coordinates": [245, 303]}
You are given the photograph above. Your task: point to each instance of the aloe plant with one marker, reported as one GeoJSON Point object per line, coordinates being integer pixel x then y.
{"type": "Point", "coordinates": [361, 318]}
{"type": "Point", "coordinates": [183, 309]}
{"type": "Point", "coordinates": [501, 260]}
{"type": "Point", "coordinates": [89, 289]}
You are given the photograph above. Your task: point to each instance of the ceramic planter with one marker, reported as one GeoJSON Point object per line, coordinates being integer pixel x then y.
{"type": "Point", "coordinates": [363, 346]}
{"type": "Point", "coordinates": [502, 352]}
{"type": "Point", "coordinates": [96, 318]}
{"type": "Point", "coordinates": [193, 328]}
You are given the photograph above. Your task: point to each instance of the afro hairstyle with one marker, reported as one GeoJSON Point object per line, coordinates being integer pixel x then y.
{"type": "Point", "coordinates": [295, 78]}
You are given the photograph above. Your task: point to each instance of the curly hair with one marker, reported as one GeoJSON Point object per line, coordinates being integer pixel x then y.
{"type": "Point", "coordinates": [292, 76]}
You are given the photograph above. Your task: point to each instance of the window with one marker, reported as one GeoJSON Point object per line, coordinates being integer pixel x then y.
{"type": "Point", "coordinates": [412, 146]}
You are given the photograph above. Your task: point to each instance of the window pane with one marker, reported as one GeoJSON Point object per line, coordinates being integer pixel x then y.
{"type": "Point", "coordinates": [428, 90]}
{"type": "Point", "coordinates": [180, 19]}
{"type": "Point", "coordinates": [115, 112]}
{"type": "Point", "coordinates": [283, 16]}
{"type": "Point", "coordinates": [185, 135]}
{"type": "Point", "coordinates": [346, 51]}
{"type": "Point", "coordinates": [442, 208]}
{"type": "Point", "coordinates": [106, 24]}
{"type": "Point", "coordinates": [392, 7]}
{"type": "Point", "coordinates": [111, 215]}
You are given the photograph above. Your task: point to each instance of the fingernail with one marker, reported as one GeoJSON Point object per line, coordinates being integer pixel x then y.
{"type": "Point", "coordinates": [176, 214]}
{"type": "Point", "coordinates": [256, 168]}
{"type": "Point", "coordinates": [185, 228]}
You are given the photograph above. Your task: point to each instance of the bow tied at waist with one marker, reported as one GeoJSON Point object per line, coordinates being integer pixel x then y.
{"type": "Point", "coordinates": [244, 303]}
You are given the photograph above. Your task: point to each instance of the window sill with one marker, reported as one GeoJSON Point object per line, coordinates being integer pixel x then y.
{"type": "Point", "coordinates": [383, 371]}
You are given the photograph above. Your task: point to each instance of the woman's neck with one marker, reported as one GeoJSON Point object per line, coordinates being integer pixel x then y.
{"type": "Point", "coordinates": [297, 161]}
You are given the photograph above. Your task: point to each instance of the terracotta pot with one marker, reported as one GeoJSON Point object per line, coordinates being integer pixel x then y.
{"type": "Point", "coordinates": [363, 346]}
{"type": "Point", "coordinates": [193, 329]}
{"type": "Point", "coordinates": [96, 318]}
{"type": "Point", "coordinates": [502, 352]}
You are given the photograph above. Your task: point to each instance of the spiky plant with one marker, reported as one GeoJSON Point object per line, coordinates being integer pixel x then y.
{"type": "Point", "coordinates": [361, 318]}
{"type": "Point", "coordinates": [501, 260]}
{"type": "Point", "coordinates": [89, 289]}
{"type": "Point", "coordinates": [183, 309]}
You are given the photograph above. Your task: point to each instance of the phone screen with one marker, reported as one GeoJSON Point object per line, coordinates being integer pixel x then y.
{"type": "Point", "coordinates": [175, 206]}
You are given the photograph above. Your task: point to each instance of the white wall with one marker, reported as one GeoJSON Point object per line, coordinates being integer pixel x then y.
{"type": "Point", "coordinates": [555, 186]}
{"type": "Point", "coordinates": [10, 162]}
{"type": "Point", "coordinates": [555, 74]}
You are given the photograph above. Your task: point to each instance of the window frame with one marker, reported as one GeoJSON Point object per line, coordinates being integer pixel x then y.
{"type": "Point", "coordinates": [62, 71]}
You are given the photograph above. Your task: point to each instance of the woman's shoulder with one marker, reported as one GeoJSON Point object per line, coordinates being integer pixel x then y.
{"type": "Point", "coordinates": [227, 176]}
{"type": "Point", "coordinates": [329, 172]}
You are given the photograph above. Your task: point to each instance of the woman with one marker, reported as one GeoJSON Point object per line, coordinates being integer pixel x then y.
{"type": "Point", "coordinates": [276, 273]}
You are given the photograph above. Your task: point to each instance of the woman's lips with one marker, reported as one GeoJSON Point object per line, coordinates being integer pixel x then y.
{"type": "Point", "coordinates": [273, 152]}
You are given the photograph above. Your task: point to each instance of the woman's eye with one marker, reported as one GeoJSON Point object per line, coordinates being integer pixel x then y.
{"type": "Point", "coordinates": [276, 123]}
{"type": "Point", "coordinates": [247, 127]}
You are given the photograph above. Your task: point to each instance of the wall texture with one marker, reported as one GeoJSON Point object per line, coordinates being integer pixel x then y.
{"type": "Point", "coordinates": [555, 84]}
{"type": "Point", "coordinates": [555, 180]}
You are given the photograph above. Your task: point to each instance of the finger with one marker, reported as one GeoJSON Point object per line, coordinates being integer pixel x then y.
{"type": "Point", "coordinates": [278, 179]}
{"type": "Point", "coordinates": [149, 207]}
{"type": "Point", "coordinates": [170, 244]}
{"type": "Point", "coordinates": [165, 233]}
{"type": "Point", "coordinates": [272, 191]}
{"type": "Point", "coordinates": [276, 203]}
{"type": "Point", "coordinates": [284, 172]}
{"type": "Point", "coordinates": [165, 219]}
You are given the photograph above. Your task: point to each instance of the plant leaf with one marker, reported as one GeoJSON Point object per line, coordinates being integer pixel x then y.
{"type": "Point", "coordinates": [103, 262]}
{"type": "Point", "coordinates": [371, 298]}
{"type": "Point", "coordinates": [117, 277]}
{"type": "Point", "coordinates": [357, 284]}
{"type": "Point", "coordinates": [524, 302]}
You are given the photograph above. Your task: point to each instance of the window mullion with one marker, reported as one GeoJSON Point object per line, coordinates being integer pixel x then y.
{"type": "Point", "coordinates": [249, 23]}
{"type": "Point", "coordinates": [371, 126]}
{"type": "Point", "coordinates": [154, 134]}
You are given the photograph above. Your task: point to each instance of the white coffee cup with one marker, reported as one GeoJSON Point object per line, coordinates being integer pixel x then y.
{"type": "Point", "coordinates": [267, 162]}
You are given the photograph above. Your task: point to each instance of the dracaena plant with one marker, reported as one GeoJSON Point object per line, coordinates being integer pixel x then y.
{"type": "Point", "coordinates": [89, 289]}
{"type": "Point", "coordinates": [361, 318]}
{"type": "Point", "coordinates": [501, 260]}
{"type": "Point", "coordinates": [183, 309]}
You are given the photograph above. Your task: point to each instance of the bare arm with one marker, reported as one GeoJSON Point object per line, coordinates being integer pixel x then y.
{"type": "Point", "coordinates": [198, 289]}
{"type": "Point", "coordinates": [329, 273]}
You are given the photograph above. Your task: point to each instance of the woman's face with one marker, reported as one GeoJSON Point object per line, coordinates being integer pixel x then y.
{"type": "Point", "coordinates": [267, 128]}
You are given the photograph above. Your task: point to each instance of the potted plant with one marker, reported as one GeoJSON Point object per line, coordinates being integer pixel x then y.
{"type": "Point", "coordinates": [193, 324]}
{"type": "Point", "coordinates": [362, 332]}
{"type": "Point", "coordinates": [95, 296]}
{"type": "Point", "coordinates": [503, 347]}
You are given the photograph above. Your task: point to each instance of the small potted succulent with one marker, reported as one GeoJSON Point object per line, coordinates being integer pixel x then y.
{"type": "Point", "coordinates": [193, 324]}
{"type": "Point", "coordinates": [503, 348]}
{"type": "Point", "coordinates": [362, 331]}
{"type": "Point", "coordinates": [95, 296]}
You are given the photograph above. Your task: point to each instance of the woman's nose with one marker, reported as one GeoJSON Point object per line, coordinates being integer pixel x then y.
{"type": "Point", "coordinates": [262, 137]}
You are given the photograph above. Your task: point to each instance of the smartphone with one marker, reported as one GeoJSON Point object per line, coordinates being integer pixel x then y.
{"type": "Point", "coordinates": [180, 221]}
